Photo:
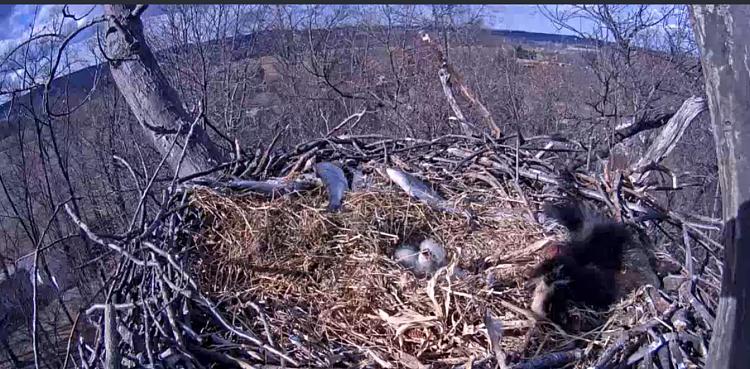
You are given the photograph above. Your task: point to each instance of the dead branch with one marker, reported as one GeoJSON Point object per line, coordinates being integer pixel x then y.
{"type": "Point", "coordinates": [357, 116]}
{"type": "Point", "coordinates": [671, 133]}
{"type": "Point", "coordinates": [111, 341]}
{"type": "Point", "coordinates": [448, 75]}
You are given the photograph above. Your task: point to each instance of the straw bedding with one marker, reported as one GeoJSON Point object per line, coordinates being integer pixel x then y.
{"type": "Point", "coordinates": [325, 284]}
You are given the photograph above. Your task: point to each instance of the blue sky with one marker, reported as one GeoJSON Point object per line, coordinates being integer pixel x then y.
{"type": "Point", "coordinates": [15, 20]}
{"type": "Point", "coordinates": [521, 18]}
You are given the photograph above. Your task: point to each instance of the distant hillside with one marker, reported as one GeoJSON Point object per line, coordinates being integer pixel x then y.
{"type": "Point", "coordinates": [79, 83]}
{"type": "Point", "coordinates": [75, 85]}
{"type": "Point", "coordinates": [534, 37]}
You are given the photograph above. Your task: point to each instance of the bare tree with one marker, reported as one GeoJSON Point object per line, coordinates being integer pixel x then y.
{"type": "Point", "coordinates": [631, 82]}
{"type": "Point", "coordinates": [723, 36]}
{"type": "Point", "coordinates": [152, 100]}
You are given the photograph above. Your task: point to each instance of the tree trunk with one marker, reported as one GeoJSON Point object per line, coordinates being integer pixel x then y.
{"type": "Point", "coordinates": [152, 100]}
{"type": "Point", "coordinates": [723, 35]}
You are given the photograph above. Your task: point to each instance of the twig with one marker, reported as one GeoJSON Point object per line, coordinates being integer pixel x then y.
{"type": "Point", "coordinates": [262, 163]}
{"type": "Point", "coordinates": [69, 345]}
{"type": "Point", "coordinates": [495, 334]}
{"type": "Point", "coordinates": [98, 240]}
{"type": "Point", "coordinates": [346, 120]}
{"type": "Point", "coordinates": [34, 278]}
{"type": "Point", "coordinates": [111, 353]}
{"type": "Point", "coordinates": [650, 348]}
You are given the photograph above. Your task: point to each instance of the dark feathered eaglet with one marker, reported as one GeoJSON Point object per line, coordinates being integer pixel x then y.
{"type": "Point", "coordinates": [582, 268]}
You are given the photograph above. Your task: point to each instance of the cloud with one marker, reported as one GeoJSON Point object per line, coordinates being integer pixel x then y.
{"type": "Point", "coordinates": [6, 11]}
{"type": "Point", "coordinates": [16, 27]}
{"type": "Point", "coordinates": [522, 18]}
{"type": "Point", "coordinates": [16, 20]}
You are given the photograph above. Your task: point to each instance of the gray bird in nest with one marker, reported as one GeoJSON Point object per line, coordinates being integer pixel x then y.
{"type": "Point", "coordinates": [422, 261]}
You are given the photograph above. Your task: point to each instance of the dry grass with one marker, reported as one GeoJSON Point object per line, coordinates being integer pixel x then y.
{"type": "Point", "coordinates": [329, 280]}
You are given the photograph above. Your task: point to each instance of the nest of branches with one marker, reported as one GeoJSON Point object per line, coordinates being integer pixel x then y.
{"type": "Point", "coordinates": [332, 278]}
{"type": "Point", "coordinates": [257, 272]}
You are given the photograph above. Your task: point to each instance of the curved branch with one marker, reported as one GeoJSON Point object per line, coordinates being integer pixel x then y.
{"type": "Point", "coordinates": [60, 50]}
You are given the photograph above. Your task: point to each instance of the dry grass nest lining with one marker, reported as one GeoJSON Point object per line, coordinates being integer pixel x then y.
{"type": "Point", "coordinates": [330, 280]}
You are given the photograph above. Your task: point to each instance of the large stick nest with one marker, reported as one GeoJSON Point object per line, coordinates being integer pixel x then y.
{"type": "Point", "coordinates": [241, 277]}
{"type": "Point", "coordinates": [332, 278]}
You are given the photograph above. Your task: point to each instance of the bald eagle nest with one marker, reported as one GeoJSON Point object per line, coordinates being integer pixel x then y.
{"type": "Point", "coordinates": [328, 286]}
{"type": "Point", "coordinates": [404, 253]}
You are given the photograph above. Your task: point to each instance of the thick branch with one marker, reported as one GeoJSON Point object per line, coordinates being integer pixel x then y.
{"type": "Point", "coordinates": [723, 35]}
{"type": "Point", "coordinates": [448, 76]}
{"type": "Point", "coordinates": [672, 132]}
{"type": "Point", "coordinates": [152, 100]}
{"type": "Point", "coordinates": [679, 120]}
